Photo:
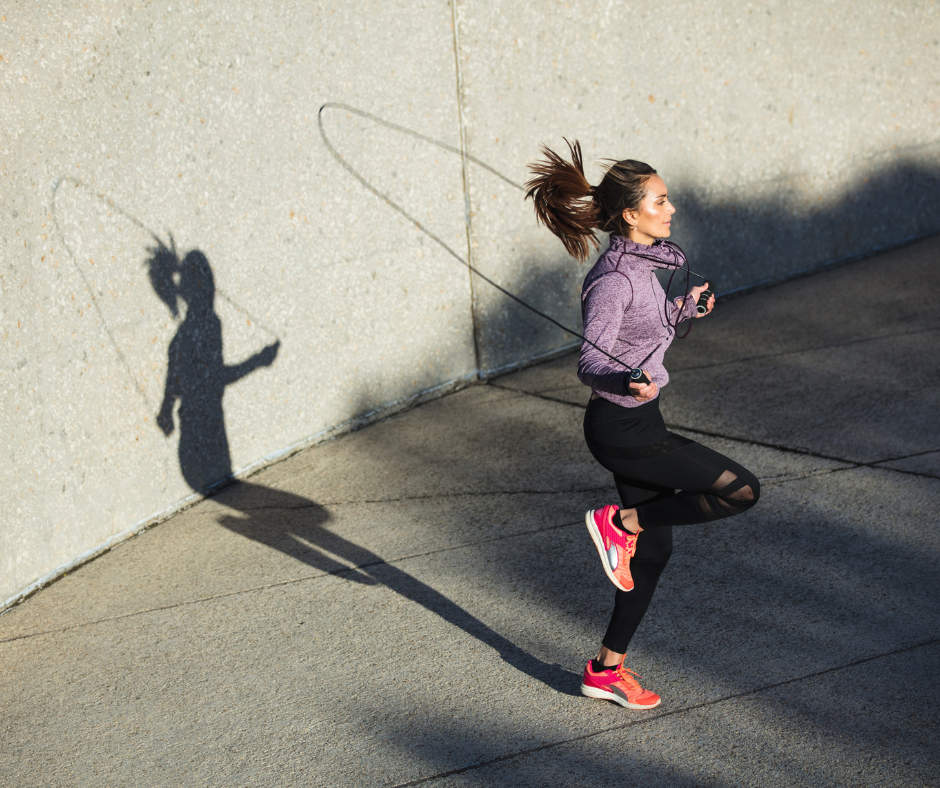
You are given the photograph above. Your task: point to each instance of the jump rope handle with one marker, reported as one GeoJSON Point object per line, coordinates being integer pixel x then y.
{"type": "Point", "coordinates": [702, 306]}
{"type": "Point", "coordinates": [637, 375]}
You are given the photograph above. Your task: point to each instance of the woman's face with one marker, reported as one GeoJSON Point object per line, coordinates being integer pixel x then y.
{"type": "Point", "coordinates": [652, 219]}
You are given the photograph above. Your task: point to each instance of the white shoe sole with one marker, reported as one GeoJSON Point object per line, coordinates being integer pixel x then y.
{"type": "Point", "coordinates": [595, 692]}
{"type": "Point", "coordinates": [599, 544]}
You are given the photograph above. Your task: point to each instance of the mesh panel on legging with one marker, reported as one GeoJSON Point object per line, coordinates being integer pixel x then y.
{"type": "Point", "coordinates": [709, 485]}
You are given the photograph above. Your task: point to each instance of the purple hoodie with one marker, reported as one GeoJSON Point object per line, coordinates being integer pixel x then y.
{"type": "Point", "coordinates": [625, 312]}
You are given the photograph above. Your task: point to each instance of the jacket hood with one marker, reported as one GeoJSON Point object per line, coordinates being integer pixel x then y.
{"type": "Point", "coordinates": [662, 253]}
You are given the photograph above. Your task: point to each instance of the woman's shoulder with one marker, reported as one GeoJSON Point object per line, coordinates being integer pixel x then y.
{"type": "Point", "coordinates": [606, 267]}
{"type": "Point", "coordinates": [616, 261]}
{"type": "Point", "coordinates": [608, 274]}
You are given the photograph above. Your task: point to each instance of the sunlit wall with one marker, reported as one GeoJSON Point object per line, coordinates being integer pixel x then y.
{"type": "Point", "coordinates": [232, 228]}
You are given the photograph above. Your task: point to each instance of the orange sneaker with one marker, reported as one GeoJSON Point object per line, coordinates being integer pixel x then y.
{"type": "Point", "coordinates": [614, 546]}
{"type": "Point", "coordinates": [619, 685]}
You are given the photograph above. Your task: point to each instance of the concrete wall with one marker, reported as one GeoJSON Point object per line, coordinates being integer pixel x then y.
{"type": "Point", "coordinates": [790, 134]}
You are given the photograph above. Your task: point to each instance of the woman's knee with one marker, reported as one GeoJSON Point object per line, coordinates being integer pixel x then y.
{"type": "Point", "coordinates": [745, 496]}
{"type": "Point", "coordinates": [751, 490]}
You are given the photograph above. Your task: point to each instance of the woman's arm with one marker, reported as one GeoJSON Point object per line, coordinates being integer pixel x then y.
{"type": "Point", "coordinates": [171, 390]}
{"type": "Point", "coordinates": [263, 358]}
{"type": "Point", "coordinates": [603, 305]}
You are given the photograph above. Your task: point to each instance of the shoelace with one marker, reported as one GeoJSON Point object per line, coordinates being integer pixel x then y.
{"type": "Point", "coordinates": [622, 672]}
{"type": "Point", "coordinates": [630, 542]}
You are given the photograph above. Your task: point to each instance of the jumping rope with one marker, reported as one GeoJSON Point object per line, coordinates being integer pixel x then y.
{"type": "Point", "coordinates": [636, 374]}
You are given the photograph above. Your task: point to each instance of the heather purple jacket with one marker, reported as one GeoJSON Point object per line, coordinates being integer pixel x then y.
{"type": "Point", "coordinates": [625, 312]}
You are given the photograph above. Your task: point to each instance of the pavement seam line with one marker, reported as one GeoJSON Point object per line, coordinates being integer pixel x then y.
{"type": "Point", "coordinates": [283, 583]}
{"type": "Point", "coordinates": [805, 350]}
{"type": "Point", "coordinates": [545, 397]}
{"type": "Point", "coordinates": [852, 464]}
{"type": "Point", "coordinates": [751, 442]}
{"type": "Point", "coordinates": [776, 481]}
{"type": "Point", "coordinates": [670, 713]}
{"type": "Point", "coordinates": [339, 572]}
{"type": "Point", "coordinates": [407, 498]}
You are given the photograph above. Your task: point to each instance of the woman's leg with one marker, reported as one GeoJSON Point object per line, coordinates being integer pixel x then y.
{"type": "Point", "coordinates": [691, 484]}
{"type": "Point", "coordinates": [668, 481]}
{"type": "Point", "coordinates": [607, 677]}
{"type": "Point", "coordinates": [653, 550]}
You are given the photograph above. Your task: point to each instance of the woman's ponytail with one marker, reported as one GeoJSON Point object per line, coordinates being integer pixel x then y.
{"type": "Point", "coordinates": [563, 199]}
{"type": "Point", "coordinates": [573, 209]}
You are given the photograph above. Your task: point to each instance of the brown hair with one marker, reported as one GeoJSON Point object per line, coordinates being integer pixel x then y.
{"type": "Point", "coordinates": [573, 209]}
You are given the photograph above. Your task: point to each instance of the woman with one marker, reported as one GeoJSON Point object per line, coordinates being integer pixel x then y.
{"type": "Point", "coordinates": [663, 479]}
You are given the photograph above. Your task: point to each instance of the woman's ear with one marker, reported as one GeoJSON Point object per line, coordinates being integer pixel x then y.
{"type": "Point", "coordinates": [630, 217]}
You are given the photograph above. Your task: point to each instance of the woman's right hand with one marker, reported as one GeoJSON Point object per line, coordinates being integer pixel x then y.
{"type": "Point", "coordinates": [644, 392]}
{"type": "Point", "coordinates": [696, 293]}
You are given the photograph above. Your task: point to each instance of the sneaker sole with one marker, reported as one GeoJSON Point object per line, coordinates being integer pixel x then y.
{"type": "Point", "coordinates": [595, 692]}
{"type": "Point", "coordinates": [599, 544]}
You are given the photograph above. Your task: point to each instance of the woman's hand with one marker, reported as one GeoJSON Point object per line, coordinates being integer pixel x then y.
{"type": "Point", "coordinates": [165, 417]}
{"type": "Point", "coordinates": [267, 355]}
{"type": "Point", "coordinates": [696, 293]}
{"type": "Point", "coordinates": [644, 391]}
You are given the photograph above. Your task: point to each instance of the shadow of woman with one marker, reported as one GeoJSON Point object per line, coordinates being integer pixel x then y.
{"type": "Point", "coordinates": [197, 376]}
{"type": "Point", "coordinates": [196, 371]}
{"type": "Point", "coordinates": [295, 526]}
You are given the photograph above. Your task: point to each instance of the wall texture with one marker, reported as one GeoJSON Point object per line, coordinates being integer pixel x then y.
{"type": "Point", "coordinates": [228, 228]}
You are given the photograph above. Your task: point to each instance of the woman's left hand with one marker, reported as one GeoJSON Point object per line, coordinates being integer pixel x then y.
{"type": "Point", "coordinates": [696, 293]}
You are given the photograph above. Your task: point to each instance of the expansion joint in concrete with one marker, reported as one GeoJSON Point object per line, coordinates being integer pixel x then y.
{"type": "Point", "coordinates": [850, 464]}
{"type": "Point", "coordinates": [354, 568]}
{"type": "Point", "coordinates": [801, 351]}
{"type": "Point", "coordinates": [426, 497]}
{"type": "Point", "coordinates": [465, 176]}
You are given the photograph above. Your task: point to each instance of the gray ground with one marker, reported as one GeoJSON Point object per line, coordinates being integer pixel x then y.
{"type": "Point", "coordinates": [414, 603]}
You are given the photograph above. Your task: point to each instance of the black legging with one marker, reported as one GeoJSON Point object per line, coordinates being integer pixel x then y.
{"type": "Point", "coordinates": [670, 480]}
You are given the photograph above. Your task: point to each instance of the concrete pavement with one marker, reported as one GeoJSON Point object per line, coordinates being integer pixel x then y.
{"type": "Point", "coordinates": [413, 603]}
